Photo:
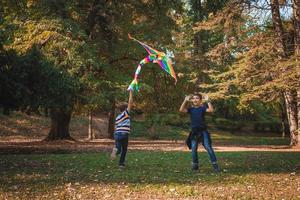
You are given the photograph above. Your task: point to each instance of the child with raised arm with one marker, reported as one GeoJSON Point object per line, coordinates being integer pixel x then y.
{"type": "Point", "coordinates": [199, 129]}
{"type": "Point", "coordinates": [122, 130]}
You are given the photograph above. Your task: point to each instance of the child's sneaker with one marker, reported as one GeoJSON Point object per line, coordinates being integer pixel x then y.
{"type": "Point", "coordinates": [216, 168]}
{"type": "Point", "coordinates": [195, 166]}
{"type": "Point", "coordinates": [121, 166]}
{"type": "Point", "coordinates": [113, 154]}
{"type": "Point", "coordinates": [195, 169]}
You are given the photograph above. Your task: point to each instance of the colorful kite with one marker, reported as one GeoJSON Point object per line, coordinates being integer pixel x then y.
{"type": "Point", "coordinates": [154, 56]}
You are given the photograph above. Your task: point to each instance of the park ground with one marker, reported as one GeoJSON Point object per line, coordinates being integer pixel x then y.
{"type": "Point", "coordinates": [253, 166]}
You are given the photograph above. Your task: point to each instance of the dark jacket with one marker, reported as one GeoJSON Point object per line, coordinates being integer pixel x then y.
{"type": "Point", "coordinates": [195, 133]}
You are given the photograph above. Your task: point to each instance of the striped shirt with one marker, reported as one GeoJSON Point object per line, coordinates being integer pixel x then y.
{"type": "Point", "coordinates": [122, 124]}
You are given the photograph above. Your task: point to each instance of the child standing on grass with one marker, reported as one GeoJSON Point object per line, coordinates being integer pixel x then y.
{"type": "Point", "coordinates": [199, 129]}
{"type": "Point", "coordinates": [122, 130]}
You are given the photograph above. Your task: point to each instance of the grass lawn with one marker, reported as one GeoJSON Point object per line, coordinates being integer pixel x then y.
{"type": "Point", "coordinates": [150, 175]}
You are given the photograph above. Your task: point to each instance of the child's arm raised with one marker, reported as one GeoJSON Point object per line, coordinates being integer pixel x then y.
{"type": "Point", "coordinates": [183, 107]}
{"type": "Point", "coordinates": [130, 100]}
{"type": "Point", "coordinates": [210, 107]}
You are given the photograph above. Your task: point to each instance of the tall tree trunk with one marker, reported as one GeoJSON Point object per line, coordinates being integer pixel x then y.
{"type": "Point", "coordinates": [291, 108]}
{"type": "Point", "coordinates": [60, 121]}
{"type": "Point", "coordinates": [91, 134]}
{"type": "Point", "coordinates": [155, 87]}
{"type": "Point", "coordinates": [92, 16]}
{"type": "Point", "coordinates": [283, 118]}
{"type": "Point", "coordinates": [198, 43]}
{"type": "Point", "coordinates": [198, 17]}
{"type": "Point", "coordinates": [278, 28]}
{"type": "Point", "coordinates": [297, 142]}
{"type": "Point", "coordinates": [198, 50]}
{"type": "Point", "coordinates": [111, 119]}
{"type": "Point", "coordinates": [112, 43]}
{"type": "Point", "coordinates": [296, 15]}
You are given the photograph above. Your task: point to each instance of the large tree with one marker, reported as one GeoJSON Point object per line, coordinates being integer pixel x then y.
{"type": "Point", "coordinates": [86, 42]}
{"type": "Point", "coordinates": [296, 19]}
{"type": "Point", "coordinates": [62, 54]}
{"type": "Point", "coordinates": [261, 66]}
{"type": "Point", "coordinates": [289, 95]}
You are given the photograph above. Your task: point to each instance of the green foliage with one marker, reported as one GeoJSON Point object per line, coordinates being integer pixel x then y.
{"type": "Point", "coordinates": [176, 120]}
{"type": "Point", "coordinates": [87, 40]}
{"type": "Point", "coordinates": [241, 126]}
{"type": "Point", "coordinates": [228, 125]}
{"type": "Point", "coordinates": [31, 81]}
{"type": "Point", "coordinates": [244, 66]}
{"type": "Point", "coordinates": [163, 125]}
{"type": "Point", "coordinates": [268, 127]}
{"type": "Point", "coordinates": [76, 54]}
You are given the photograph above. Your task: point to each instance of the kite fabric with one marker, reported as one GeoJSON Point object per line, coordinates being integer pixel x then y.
{"type": "Point", "coordinates": [154, 56]}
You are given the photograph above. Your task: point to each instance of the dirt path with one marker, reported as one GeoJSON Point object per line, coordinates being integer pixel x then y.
{"type": "Point", "coordinates": [105, 145]}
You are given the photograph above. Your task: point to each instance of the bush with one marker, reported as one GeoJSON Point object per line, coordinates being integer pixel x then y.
{"type": "Point", "coordinates": [158, 124]}
{"type": "Point", "coordinates": [174, 119]}
{"type": "Point", "coordinates": [228, 125]}
{"type": "Point", "coordinates": [267, 126]}
{"type": "Point", "coordinates": [171, 119]}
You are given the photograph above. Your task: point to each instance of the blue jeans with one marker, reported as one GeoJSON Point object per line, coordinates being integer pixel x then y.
{"type": "Point", "coordinates": [121, 145]}
{"type": "Point", "coordinates": [204, 137]}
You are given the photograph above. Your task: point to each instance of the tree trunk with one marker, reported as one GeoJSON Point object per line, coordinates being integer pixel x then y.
{"type": "Point", "coordinates": [92, 16]}
{"type": "Point", "coordinates": [111, 120]}
{"type": "Point", "coordinates": [198, 43]}
{"type": "Point", "coordinates": [296, 14]}
{"type": "Point", "coordinates": [291, 110]}
{"type": "Point", "coordinates": [297, 143]}
{"type": "Point", "coordinates": [198, 47]}
{"type": "Point", "coordinates": [283, 116]}
{"type": "Point", "coordinates": [155, 87]}
{"type": "Point", "coordinates": [278, 27]}
{"type": "Point", "coordinates": [290, 101]}
{"type": "Point", "coordinates": [198, 17]}
{"type": "Point", "coordinates": [60, 121]}
{"type": "Point", "coordinates": [91, 135]}
{"type": "Point", "coordinates": [110, 38]}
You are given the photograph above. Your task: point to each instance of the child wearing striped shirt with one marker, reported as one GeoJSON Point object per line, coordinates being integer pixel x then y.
{"type": "Point", "coordinates": [122, 130]}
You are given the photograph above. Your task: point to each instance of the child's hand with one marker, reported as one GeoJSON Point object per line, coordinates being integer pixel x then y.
{"type": "Point", "coordinates": [205, 97]}
{"type": "Point", "coordinates": [187, 98]}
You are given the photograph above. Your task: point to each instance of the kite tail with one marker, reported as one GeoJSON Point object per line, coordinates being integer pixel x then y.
{"type": "Point", "coordinates": [134, 84]}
